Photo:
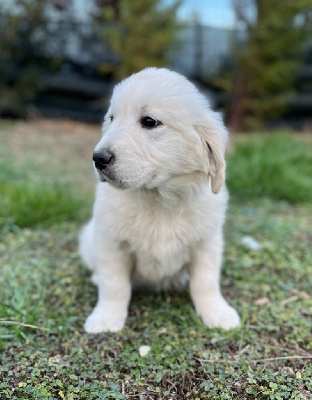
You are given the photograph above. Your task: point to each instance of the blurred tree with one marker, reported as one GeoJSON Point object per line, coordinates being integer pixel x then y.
{"type": "Point", "coordinates": [18, 70]}
{"type": "Point", "coordinates": [265, 67]}
{"type": "Point", "coordinates": [23, 33]}
{"type": "Point", "coordinates": [139, 32]}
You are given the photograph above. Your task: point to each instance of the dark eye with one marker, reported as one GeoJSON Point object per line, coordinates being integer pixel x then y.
{"type": "Point", "coordinates": [149, 123]}
{"type": "Point", "coordinates": [111, 117]}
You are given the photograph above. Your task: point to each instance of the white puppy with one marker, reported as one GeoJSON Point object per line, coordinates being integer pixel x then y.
{"type": "Point", "coordinates": [161, 200]}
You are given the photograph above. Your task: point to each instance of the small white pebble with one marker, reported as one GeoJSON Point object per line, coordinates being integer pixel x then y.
{"type": "Point", "coordinates": [144, 350]}
{"type": "Point", "coordinates": [250, 243]}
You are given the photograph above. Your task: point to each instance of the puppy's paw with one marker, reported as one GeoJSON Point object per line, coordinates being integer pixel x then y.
{"type": "Point", "coordinates": [103, 320]}
{"type": "Point", "coordinates": [219, 314]}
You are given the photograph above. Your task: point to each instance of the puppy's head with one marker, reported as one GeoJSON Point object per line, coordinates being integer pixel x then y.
{"type": "Point", "coordinates": [159, 128]}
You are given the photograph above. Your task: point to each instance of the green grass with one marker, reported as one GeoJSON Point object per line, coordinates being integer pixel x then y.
{"type": "Point", "coordinates": [46, 294]}
{"type": "Point", "coordinates": [29, 203]}
{"type": "Point", "coordinates": [44, 284]}
{"type": "Point", "coordinates": [276, 166]}
{"type": "Point", "coordinates": [29, 198]}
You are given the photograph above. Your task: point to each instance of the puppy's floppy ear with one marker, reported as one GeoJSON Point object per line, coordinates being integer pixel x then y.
{"type": "Point", "coordinates": [214, 137]}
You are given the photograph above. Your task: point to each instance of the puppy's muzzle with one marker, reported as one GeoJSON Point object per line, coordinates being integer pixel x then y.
{"type": "Point", "coordinates": [103, 159]}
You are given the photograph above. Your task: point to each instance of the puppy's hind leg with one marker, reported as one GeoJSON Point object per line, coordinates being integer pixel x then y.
{"type": "Point", "coordinates": [205, 287]}
{"type": "Point", "coordinates": [87, 249]}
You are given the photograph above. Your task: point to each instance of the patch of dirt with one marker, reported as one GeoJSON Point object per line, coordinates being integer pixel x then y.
{"type": "Point", "coordinates": [58, 147]}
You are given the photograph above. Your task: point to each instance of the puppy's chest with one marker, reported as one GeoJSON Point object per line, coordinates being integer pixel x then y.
{"type": "Point", "coordinates": [161, 247]}
{"type": "Point", "coordinates": [161, 235]}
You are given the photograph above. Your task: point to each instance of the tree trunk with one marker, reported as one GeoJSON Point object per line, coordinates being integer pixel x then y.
{"type": "Point", "coordinates": [239, 105]}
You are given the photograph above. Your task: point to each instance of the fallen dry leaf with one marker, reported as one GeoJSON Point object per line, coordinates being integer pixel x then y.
{"type": "Point", "coordinates": [262, 301]}
{"type": "Point", "coordinates": [301, 293]}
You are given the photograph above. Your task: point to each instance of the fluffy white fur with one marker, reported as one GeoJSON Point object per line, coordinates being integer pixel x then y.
{"type": "Point", "coordinates": [160, 207]}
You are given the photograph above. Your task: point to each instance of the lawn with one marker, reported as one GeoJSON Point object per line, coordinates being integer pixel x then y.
{"type": "Point", "coordinates": [46, 194]}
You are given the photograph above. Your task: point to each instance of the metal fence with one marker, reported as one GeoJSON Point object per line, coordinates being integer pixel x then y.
{"type": "Point", "coordinates": [199, 50]}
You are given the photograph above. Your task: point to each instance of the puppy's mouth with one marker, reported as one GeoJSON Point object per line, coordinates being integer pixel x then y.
{"type": "Point", "coordinates": [110, 177]}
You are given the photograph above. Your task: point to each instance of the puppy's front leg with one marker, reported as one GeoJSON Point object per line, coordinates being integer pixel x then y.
{"type": "Point", "coordinates": [114, 292]}
{"type": "Point", "coordinates": [205, 287]}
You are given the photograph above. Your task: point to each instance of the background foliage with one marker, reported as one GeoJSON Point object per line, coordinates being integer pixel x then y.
{"type": "Point", "coordinates": [140, 33]}
{"type": "Point", "coordinates": [19, 70]}
{"type": "Point", "coordinates": [257, 80]}
{"type": "Point", "coordinates": [25, 32]}
{"type": "Point", "coordinates": [262, 81]}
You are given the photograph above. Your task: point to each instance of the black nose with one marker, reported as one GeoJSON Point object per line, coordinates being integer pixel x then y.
{"type": "Point", "coordinates": [103, 158]}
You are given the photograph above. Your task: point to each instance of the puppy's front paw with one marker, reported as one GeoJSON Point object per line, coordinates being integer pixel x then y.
{"type": "Point", "coordinates": [103, 320]}
{"type": "Point", "coordinates": [219, 314]}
